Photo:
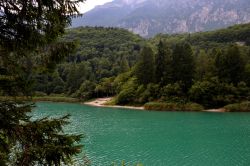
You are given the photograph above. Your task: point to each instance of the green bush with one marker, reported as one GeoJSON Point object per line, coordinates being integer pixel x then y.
{"type": "Point", "coordinates": [213, 93]}
{"type": "Point", "coordinates": [247, 74]}
{"type": "Point", "coordinates": [40, 94]}
{"type": "Point", "coordinates": [128, 93]}
{"type": "Point", "coordinates": [58, 89]}
{"type": "Point", "coordinates": [120, 80]}
{"type": "Point", "coordinates": [149, 94]}
{"type": "Point", "coordinates": [193, 107]}
{"type": "Point", "coordinates": [86, 91]}
{"type": "Point", "coordinates": [126, 96]}
{"type": "Point", "coordinates": [203, 92]}
{"type": "Point", "coordinates": [243, 91]}
{"type": "Point", "coordinates": [159, 106]}
{"type": "Point", "coordinates": [238, 107]}
{"type": "Point", "coordinates": [172, 92]}
{"type": "Point", "coordinates": [139, 91]}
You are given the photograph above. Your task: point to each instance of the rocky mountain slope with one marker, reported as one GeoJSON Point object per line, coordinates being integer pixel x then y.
{"type": "Point", "coordinates": [149, 17]}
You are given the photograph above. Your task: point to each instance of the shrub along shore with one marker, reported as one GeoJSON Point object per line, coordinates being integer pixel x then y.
{"type": "Point", "coordinates": [152, 106]}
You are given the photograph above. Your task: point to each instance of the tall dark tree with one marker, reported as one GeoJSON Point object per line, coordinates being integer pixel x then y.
{"type": "Point", "coordinates": [248, 41]}
{"type": "Point", "coordinates": [247, 74]}
{"type": "Point", "coordinates": [183, 64]}
{"type": "Point", "coordinates": [57, 84]}
{"type": "Point", "coordinates": [163, 71]}
{"type": "Point", "coordinates": [76, 76]}
{"type": "Point", "coordinates": [230, 66]}
{"type": "Point", "coordinates": [28, 41]}
{"type": "Point", "coordinates": [145, 69]}
{"type": "Point", "coordinates": [124, 65]}
{"type": "Point", "coordinates": [205, 67]}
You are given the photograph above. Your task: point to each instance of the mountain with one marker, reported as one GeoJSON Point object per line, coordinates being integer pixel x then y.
{"type": "Point", "coordinates": [150, 17]}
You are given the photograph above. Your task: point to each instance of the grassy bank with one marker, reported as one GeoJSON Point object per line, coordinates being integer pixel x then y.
{"type": "Point", "coordinates": [56, 99]}
{"type": "Point", "coordinates": [43, 98]}
{"type": "Point", "coordinates": [160, 106]}
{"type": "Point", "coordinates": [238, 107]}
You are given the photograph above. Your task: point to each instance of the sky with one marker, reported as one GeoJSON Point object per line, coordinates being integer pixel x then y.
{"type": "Point", "coordinates": [90, 4]}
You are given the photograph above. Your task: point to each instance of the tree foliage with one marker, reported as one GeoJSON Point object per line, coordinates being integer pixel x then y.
{"type": "Point", "coordinates": [183, 65]}
{"type": "Point", "coordinates": [163, 72]}
{"type": "Point", "coordinates": [28, 42]}
{"type": "Point", "coordinates": [180, 59]}
{"type": "Point", "coordinates": [212, 78]}
{"type": "Point", "coordinates": [145, 69]}
{"type": "Point", "coordinates": [102, 53]}
{"type": "Point", "coordinates": [31, 24]}
{"type": "Point", "coordinates": [230, 65]}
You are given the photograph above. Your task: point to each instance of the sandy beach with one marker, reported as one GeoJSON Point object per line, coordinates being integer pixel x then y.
{"type": "Point", "coordinates": [100, 102]}
{"type": "Point", "coordinates": [215, 110]}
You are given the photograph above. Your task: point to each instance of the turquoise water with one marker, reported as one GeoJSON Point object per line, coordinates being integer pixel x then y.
{"type": "Point", "coordinates": [157, 138]}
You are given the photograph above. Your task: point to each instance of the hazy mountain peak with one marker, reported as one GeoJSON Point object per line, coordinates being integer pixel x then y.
{"type": "Point", "coordinates": [129, 2]}
{"type": "Point", "coordinates": [149, 17]}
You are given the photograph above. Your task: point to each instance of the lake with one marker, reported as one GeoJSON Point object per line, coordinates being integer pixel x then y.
{"type": "Point", "coordinates": [156, 138]}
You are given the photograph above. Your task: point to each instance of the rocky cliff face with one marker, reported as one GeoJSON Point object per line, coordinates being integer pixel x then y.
{"type": "Point", "coordinates": [149, 17]}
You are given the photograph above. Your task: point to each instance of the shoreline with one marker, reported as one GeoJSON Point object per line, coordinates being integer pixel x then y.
{"type": "Point", "coordinates": [219, 110]}
{"type": "Point", "coordinates": [100, 102]}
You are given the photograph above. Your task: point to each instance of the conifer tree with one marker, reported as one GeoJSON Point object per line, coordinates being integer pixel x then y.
{"type": "Point", "coordinates": [230, 65]}
{"type": "Point", "coordinates": [28, 34]}
{"type": "Point", "coordinates": [183, 65]}
{"type": "Point", "coordinates": [145, 69]}
{"type": "Point", "coordinates": [124, 65]}
{"type": "Point", "coordinates": [163, 72]}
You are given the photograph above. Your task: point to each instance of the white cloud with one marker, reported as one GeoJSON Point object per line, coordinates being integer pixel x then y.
{"type": "Point", "coordinates": [90, 4]}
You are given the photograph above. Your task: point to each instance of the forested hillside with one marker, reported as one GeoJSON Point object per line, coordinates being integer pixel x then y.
{"type": "Point", "coordinates": [102, 53]}
{"type": "Point", "coordinates": [210, 39]}
{"type": "Point", "coordinates": [190, 72]}
{"type": "Point", "coordinates": [209, 68]}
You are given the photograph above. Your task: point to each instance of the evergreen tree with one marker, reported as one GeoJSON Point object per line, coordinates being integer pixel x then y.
{"type": "Point", "coordinates": [124, 65]}
{"type": "Point", "coordinates": [163, 64]}
{"type": "Point", "coordinates": [76, 76]}
{"type": "Point", "coordinates": [230, 65]}
{"type": "Point", "coordinates": [248, 41]}
{"type": "Point", "coordinates": [29, 30]}
{"type": "Point", "coordinates": [71, 78]}
{"type": "Point", "coordinates": [183, 65]}
{"type": "Point", "coordinates": [145, 69]}
{"type": "Point", "coordinates": [205, 67]}
{"type": "Point", "coordinates": [41, 83]}
{"type": "Point", "coordinates": [57, 84]}
{"type": "Point", "coordinates": [247, 74]}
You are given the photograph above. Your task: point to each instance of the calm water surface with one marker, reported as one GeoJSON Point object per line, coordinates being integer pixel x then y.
{"type": "Point", "coordinates": [157, 138]}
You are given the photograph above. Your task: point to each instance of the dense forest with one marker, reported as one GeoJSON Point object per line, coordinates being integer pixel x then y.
{"type": "Point", "coordinates": [102, 53]}
{"type": "Point", "coordinates": [177, 72]}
